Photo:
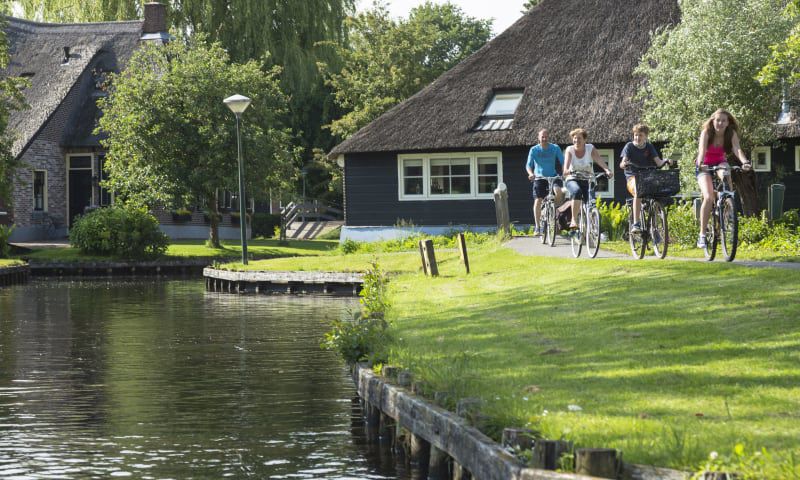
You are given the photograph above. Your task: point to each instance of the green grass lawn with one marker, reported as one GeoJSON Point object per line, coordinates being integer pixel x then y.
{"type": "Point", "coordinates": [666, 361]}
{"type": "Point", "coordinates": [196, 249]}
{"type": "Point", "coordinates": [9, 262]}
{"type": "Point", "coordinates": [744, 252]}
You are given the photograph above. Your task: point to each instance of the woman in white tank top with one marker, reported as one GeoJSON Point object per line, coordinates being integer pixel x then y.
{"type": "Point", "coordinates": [578, 168]}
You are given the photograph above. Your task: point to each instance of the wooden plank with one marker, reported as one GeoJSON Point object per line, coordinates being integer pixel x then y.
{"type": "Point", "coordinates": [462, 250]}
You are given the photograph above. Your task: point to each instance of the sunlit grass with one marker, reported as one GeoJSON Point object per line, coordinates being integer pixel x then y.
{"type": "Point", "coordinates": [744, 252]}
{"type": "Point", "coordinates": [9, 262]}
{"type": "Point", "coordinates": [666, 361]}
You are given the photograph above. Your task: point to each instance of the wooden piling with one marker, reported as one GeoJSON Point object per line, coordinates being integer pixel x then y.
{"type": "Point", "coordinates": [597, 462]}
{"type": "Point", "coordinates": [438, 465]}
{"type": "Point", "coordinates": [420, 455]}
{"type": "Point", "coordinates": [462, 250]}
{"type": "Point", "coordinates": [422, 257]}
{"type": "Point", "coordinates": [429, 258]}
{"type": "Point", "coordinates": [547, 453]}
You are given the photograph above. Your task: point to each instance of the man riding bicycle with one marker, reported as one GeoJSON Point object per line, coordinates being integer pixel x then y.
{"type": "Point", "coordinates": [541, 164]}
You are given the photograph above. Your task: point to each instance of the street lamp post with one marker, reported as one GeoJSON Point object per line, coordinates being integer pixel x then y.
{"type": "Point", "coordinates": [238, 104]}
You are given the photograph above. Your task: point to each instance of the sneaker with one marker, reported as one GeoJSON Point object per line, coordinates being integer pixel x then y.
{"type": "Point", "coordinates": [636, 227]}
{"type": "Point", "coordinates": [701, 241]}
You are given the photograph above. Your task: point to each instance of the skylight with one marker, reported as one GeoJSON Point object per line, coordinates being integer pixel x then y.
{"type": "Point", "coordinates": [503, 104]}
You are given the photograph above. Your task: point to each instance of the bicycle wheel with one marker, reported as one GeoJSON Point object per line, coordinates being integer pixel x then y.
{"type": "Point", "coordinates": [658, 229]}
{"type": "Point", "coordinates": [543, 221]}
{"type": "Point", "coordinates": [552, 224]}
{"type": "Point", "coordinates": [576, 236]}
{"type": "Point", "coordinates": [712, 234]}
{"type": "Point", "coordinates": [729, 228]}
{"type": "Point", "coordinates": [637, 240]}
{"type": "Point", "coordinates": [593, 232]}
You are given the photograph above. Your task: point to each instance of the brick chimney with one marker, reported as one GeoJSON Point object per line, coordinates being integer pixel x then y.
{"type": "Point", "coordinates": [155, 18]}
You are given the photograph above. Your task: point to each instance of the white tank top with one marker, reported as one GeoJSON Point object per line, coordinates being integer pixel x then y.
{"type": "Point", "coordinates": [582, 165]}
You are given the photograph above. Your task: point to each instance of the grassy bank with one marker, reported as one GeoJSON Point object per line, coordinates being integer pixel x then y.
{"type": "Point", "coordinates": [196, 249]}
{"type": "Point", "coordinates": [667, 361]}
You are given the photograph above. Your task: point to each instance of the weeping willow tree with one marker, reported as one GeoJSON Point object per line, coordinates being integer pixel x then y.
{"type": "Point", "coordinates": [62, 11]}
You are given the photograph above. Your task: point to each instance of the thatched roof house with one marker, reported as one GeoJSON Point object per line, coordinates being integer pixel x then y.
{"type": "Point", "coordinates": [572, 58]}
{"type": "Point", "coordinates": [569, 63]}
{"type": "Point", "coordinates": [67, 66]}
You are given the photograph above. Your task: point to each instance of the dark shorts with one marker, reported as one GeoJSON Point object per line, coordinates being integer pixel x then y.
{"type": "Point", "coordinates": [540, 187]}
{"type": "Point", "coordinates": [578, 189]}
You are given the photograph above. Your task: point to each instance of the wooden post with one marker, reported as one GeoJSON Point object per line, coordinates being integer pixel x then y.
{"type": "Point", "coordinates": [460, 473]}
{"type": "Point", "coordinates": [501, 209]}
{"type": "Point", "coordinates": [597, 462]}
{"type": "Point", "coordinates": [422, 256]}
{"type": "Point", "coordinates": [546, 453]}
{"type": "Point", "coordinates": [420, 454]}
{"type": "Point", "coordinates": [521, 438]}
{"type": "Point", "coordinates": [438, 465]}
{"type": "Point", "coordinates": [429, 258]}
{"type": "Point", "coordinates": [405, 378]}
{"type": "Point", "coordinates": [462, 249]}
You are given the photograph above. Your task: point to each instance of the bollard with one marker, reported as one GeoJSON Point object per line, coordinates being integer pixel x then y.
{"type": "Point", "coordinates": [429, 258]}
{"type": "Point", "coordinates": [422, 257]}
{"type": "Point", "coordinates": [389, 371]}
{"type": "Point", "coordinates": [598, 462]}
{"type": "Point", "coordinates": [405, 378]}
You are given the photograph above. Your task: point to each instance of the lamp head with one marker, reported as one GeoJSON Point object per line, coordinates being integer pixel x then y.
{"type": "Point", "coordinates": [237, 103]}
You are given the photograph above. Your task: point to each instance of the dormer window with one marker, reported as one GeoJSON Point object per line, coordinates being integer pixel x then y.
{"type": "Point", "coordinates": [499, 113]}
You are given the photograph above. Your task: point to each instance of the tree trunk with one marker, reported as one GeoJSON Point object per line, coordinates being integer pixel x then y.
{"type": "Point", "coordinates": [213, 220]}
{"type": "Point", "coordinates": [746, 186]}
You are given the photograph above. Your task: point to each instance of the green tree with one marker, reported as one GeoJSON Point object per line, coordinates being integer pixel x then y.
{"type": "Point", "coordinates": [62, 11]}
{"type": "Point", "coordinates": [710, 61]}
{"type": "Point", "coordinates": [10, 99]}
{"type": "Point", "coordinates": [784, 62]}
{"type": "Point", "coordinates": [388, 61]}
{"type": "Point", "coordinates": [170, 138]}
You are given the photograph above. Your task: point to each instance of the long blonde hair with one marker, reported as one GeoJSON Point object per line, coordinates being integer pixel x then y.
{"type": "Point", "coordinates": [733, 127]}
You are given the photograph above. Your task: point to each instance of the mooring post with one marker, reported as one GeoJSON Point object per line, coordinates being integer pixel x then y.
{"type": "Point", "coordinates": [501, 209]}
{"type": "Point", "coordinates": [430, 258]}
{"type": "Point", "coordinates": [373, 423]}
{"type": "Point", "coordinates": [546, 453]}
{"type": "Point", "coordinates": [438, 466]}
{"type": "Point", "coordinates": [518, 438]}
{"type": "Point", "coordinates": [422, 257]}
{"type": "Point", "coordinates": [462, 250]}
{"type": "Point", "coordinates": [597, 462]}
{"type": "Point", "coordinates": [420, 454]}
{"type": "Point", "coordinates": [404, 378]}
{"type": "Point", "coordinates": [386, 429]}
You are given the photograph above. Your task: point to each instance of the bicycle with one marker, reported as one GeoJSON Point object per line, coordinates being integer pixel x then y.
{"type": "Point", "coordinates": [654, 187]}
{"type": "Point", "coordinates": [588, 232]}
{"type": "Point", "coordinates": [548, 214]}
{"type": "Point", "coordinates": [723, 224]}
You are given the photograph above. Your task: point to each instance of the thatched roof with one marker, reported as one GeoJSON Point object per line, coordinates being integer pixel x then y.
{"type": "Point", "coordinates": [573, 58]}
{"type": "Point", "coordinates": [37, 52]}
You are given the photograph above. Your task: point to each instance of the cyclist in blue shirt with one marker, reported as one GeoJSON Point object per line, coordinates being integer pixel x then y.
{"type": "Point", "coordinates": [638, 153]}
{"type": "Point", "coordinates": [542, 163]}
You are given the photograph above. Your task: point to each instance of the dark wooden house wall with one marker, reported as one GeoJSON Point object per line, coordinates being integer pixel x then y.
{"type": "Point", "coordinates": [371, 191]}
{"type": "Point", "coordinates": [783, 171]}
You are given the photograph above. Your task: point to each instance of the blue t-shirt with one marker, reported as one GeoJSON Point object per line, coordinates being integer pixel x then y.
{"type": "Point", "coordinates": [543, 161]}
{"type": "Point", "coordinates": [639, 157]}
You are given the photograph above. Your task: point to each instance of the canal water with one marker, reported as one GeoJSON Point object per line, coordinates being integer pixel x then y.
{"type": "Point", "coordinates": [159, 379]}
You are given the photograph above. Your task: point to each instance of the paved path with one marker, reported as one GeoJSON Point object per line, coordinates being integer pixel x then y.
{"type": "Point", "coordinates": [533, 246]}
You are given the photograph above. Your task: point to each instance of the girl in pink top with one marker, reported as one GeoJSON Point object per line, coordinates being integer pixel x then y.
{"type": "Point", "coordinates": [719, 137]}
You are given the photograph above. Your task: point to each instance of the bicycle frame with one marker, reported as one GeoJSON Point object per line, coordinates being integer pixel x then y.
{"type": "Point", "coordinates": [719, 225]}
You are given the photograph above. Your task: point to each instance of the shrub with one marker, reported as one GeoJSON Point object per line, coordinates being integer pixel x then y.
{"type": "Point", "coordinates": [120, 232]}
{"type": "Point", "coordinates": [613, 219]}
{"type": "Point", "coordinates": [264, 224]}
{"type": "Point", "coordinates": [5, 234]}
{"type": "Point", "coordinates": [683, 228]}
{"type": "Point", "coordinates": [363, 336]}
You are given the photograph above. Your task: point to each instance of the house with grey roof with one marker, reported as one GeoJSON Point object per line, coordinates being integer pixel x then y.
{"type": "Point", "coordinates": [62, 160]}
{"type": "Point", "coordinates": [435, 159]}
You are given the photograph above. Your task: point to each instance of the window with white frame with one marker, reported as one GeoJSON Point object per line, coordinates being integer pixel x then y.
{"type": "Point", "coordinates": [605, 185]}
{"type": "Point", "coordinates": [40, 190]}
{"type": "Point", "coordinates": [449, 176]}
{"type": "Point", "coordinates": [762, 159]}
{"type": "Point", "coordinates": [797, 158]}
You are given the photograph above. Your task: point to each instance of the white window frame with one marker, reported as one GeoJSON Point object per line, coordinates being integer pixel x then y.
{"type": "Point", "coordinates": [426, 175]}
{"type": "Point", "coordinates": [768, 155]}
{"type": "Point", "coordinates": [501, 96]}
{"type": "Point", "coordinates": [797, 158]}
{"type": "Point", "coordinates": [44, 193]}
{"type": "Point", "coordinates": [608, 156]}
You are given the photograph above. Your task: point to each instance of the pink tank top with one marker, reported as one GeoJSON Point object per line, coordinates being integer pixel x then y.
{"type": "Point", "coordinates": [714, 155]}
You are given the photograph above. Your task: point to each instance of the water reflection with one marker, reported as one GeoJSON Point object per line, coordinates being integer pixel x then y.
{"type": "Point", "coordinates": [159, 379]}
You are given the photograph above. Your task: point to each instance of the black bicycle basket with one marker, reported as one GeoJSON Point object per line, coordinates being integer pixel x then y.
{"type": "Point", "coordinates": [658, 183]}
